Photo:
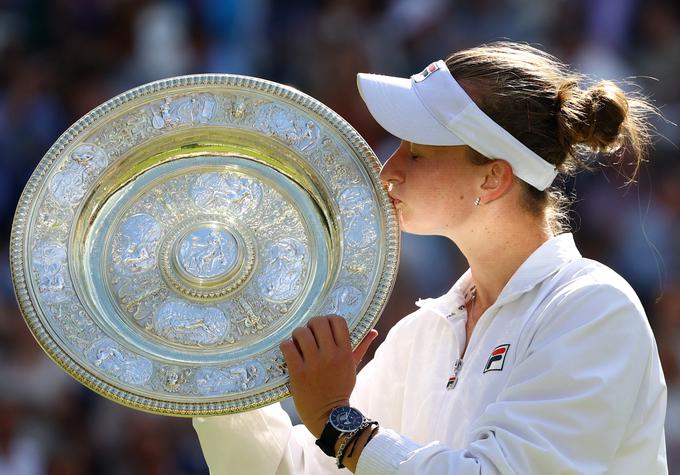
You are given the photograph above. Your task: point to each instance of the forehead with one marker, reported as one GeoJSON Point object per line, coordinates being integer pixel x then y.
{"type": "Point", "coordinates": [436, 150]}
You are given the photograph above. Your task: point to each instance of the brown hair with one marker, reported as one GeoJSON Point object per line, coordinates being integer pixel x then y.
{"type": "Point", "coordinates": [548, 107]}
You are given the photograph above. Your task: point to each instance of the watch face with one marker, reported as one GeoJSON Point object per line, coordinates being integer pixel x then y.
{"type": "Point", "coordinates": [346, 419]}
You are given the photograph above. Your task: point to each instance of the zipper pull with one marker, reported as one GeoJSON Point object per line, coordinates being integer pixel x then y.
{"type": "Point", "coordinates": [453, 380]}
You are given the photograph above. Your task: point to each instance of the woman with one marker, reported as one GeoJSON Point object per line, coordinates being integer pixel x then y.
{"type": "Point", "coordinates": [537, 360]}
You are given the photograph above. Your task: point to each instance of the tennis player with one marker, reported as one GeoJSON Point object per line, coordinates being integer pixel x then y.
{"type": "Point", "coordinates": [538, 360]}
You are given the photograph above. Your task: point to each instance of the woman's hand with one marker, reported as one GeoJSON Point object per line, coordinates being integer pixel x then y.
{"type": "Point", "coordinates": [322, 368]}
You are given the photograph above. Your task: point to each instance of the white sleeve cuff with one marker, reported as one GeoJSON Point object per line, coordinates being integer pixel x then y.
{"type": "Point", "coordinates": [384, 453]}
{"type": "Point", "coordinates": [234, 444]}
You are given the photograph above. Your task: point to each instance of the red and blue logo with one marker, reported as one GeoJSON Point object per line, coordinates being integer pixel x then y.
{"type": "Point", "coordinates": [421, 76]}
{"type": "Point", "coordinates": [497, 358]}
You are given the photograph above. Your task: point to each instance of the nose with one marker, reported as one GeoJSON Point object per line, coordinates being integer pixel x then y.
{"type": "Point", "coordinates": [392, 171]}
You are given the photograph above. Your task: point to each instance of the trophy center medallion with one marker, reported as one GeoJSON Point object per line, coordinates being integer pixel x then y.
{"type": "Point", "coordinates": [208, 252]}
{"type": "Point", "coordinates": [207, 257]}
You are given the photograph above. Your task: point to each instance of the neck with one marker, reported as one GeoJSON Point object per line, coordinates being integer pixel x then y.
{"type": "Point", "coordinates": [495, 252]}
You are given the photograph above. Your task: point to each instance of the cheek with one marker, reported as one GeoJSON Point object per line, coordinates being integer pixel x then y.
{"type": "Point", "coordinates": [452, 189]}
{"type": "Point", "coordinates": [445, 202]}
{"type": "Point", "coordinates": [440, 194]}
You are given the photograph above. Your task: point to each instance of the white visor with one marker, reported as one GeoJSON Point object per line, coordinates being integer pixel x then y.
{"type": "Point", "coordinates": [431, 108]}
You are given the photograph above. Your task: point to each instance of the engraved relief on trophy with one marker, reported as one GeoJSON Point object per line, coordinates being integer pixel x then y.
{"type": "Point", "coordinates": [53, 222]}
{"type": "Point", "coordinates": [233, 192]}
{"type": "Point", "coordinates": [140, 295]}
{"type": "Point", "coordinates": [307, 134]}
{"type": "Point", "coordinates": [49, 262]}
{"type": "Point", "coordinates": [190, 324]}
{"type": "Point", "coordinates": [173, 379]}
{"type": "Point", "coordinates": [207, 252]}
{"type": "Point", "coordinates": [284, 269]}
{"type": "Point", "coordinates": [251, 315]}
{"type": "Point", "coordinates": [360, 220]}
{"type": "Point", "coordinates": [239, 107]}
{"type": "Point", "coordinates": [124, 133]}
{"type": "Point", "coordinates": [74, 324]}
{"type": "Point", "coordinates": [241, 377]}
{"type": "Point", "coordinates": [69, 185]}
{"type": "Point", "coordinates": [279, 121]}
{"type": "Point", "coordinates": [114, 360]}
{"type": "Point", "coordinates": [234, 109]}
{"type": "Point", "coordinates": [345, 301]}
{"type": "Point", "coordinates": [183, 110]}
{"type": "Point", "coordinates": [136, 243]}
{"type": "Point", "coordinates": [335, 165]}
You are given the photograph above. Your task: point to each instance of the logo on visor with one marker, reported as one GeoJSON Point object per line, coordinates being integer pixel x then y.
{"type": "Point", "coordinates": [421, 76]}
{"type": "Point", "coordinates": [497, 358]}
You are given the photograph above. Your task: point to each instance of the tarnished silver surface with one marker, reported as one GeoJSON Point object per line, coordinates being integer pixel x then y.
{"type": "Point", "coordinates": [171, 238]}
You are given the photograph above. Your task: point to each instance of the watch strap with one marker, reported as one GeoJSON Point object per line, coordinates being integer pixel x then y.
{"type": "Point", "coordinates": [349, 438]}
{"type": "Point", "coordinates": [328, 438]}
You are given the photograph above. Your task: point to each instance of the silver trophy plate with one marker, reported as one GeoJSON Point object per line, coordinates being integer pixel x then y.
{"type": "Point", "coordinates": [175, 235]}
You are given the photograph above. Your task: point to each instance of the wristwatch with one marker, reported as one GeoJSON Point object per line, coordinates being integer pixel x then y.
{"type": "Point", "coordinates": [343, 419]}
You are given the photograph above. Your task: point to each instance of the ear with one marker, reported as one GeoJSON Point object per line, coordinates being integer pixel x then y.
{"type": "Point", "coordinates": [497, 182]}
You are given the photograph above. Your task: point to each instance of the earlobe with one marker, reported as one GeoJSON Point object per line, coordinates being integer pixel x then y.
{"type": "Point", "coordinates": [498, 181]}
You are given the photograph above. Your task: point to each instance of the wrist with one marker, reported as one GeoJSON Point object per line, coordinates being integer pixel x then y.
{"type": "Point", "coordinates": [351, 460]}
{"type": "Point", "coordinates": [342, 420]}
{"type": "Point", "coordinates": [350, 448]}
{"type": "Point", "coordinates": [318, 426]}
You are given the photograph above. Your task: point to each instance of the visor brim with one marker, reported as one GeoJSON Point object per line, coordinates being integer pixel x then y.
{"type": "Point", "coordinates": [396, 107]}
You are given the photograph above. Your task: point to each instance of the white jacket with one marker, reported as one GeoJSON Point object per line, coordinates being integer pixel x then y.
{"type": "Point", "coordinates": [561, 376]}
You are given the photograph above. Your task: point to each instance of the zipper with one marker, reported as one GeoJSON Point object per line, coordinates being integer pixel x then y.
{"type": "Point", "coordinates": [453, 380]}
{"type": "Point", "coordinates": [458, 364]}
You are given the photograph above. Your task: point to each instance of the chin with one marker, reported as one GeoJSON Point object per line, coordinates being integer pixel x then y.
{"type": "Point", "coordinates": [415, 227]}
{"type": "Point", "coordinates": [419, 229]}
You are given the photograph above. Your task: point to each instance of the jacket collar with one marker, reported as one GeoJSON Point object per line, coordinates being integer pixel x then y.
{"type": "Point", "coordinates": [545, 261]}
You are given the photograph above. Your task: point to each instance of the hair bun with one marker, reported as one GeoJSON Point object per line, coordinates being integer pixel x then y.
{"type": "Point", "coordinates": [593, 117]}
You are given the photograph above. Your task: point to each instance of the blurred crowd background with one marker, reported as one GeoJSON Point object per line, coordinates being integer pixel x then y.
{"type": "Point", "coordinates": [61, 58]}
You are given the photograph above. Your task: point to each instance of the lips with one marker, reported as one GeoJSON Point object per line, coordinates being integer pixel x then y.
{"type": "Point", "coordinates": [395, 201]}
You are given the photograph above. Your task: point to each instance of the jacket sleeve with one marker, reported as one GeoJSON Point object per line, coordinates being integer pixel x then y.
{"type": "Point", "coordinates": [577, 388]}
{"type": "Point", "coordinates": [264, 441]}
{"type": "Point", "coordinates": [261, 441]}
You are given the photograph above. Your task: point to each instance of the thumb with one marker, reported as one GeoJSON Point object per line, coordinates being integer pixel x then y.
{"type": "Point", "coordinates": [360, 350]}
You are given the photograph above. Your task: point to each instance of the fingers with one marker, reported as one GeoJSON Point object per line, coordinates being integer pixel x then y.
{"type": "Point", "coordinates": [360, 350]}
{"type": "Point", "coordinates": [321, 328]}
{"type": "Point", "coordinates": [323, 335]}
{"type": "Point", "coordinates": [305, 341]}
{"type": "Point", "coordinates": [340, 331]}
{"type": "Point", "coordinates": [292, 355]}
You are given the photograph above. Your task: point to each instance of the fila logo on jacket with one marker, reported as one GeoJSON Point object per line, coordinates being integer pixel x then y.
{"type": "Point", "coordinates": [497, 358]}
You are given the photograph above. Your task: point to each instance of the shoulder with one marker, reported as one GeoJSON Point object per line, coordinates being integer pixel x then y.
{"type": "Point", "coordinates": [587, 297]}
{"type": "Point", "coordinates": [593, 281]}
{"type": "Point", "coordinates": [422, 325]}
{"type": "Point", "coordinates": [419, 321]}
